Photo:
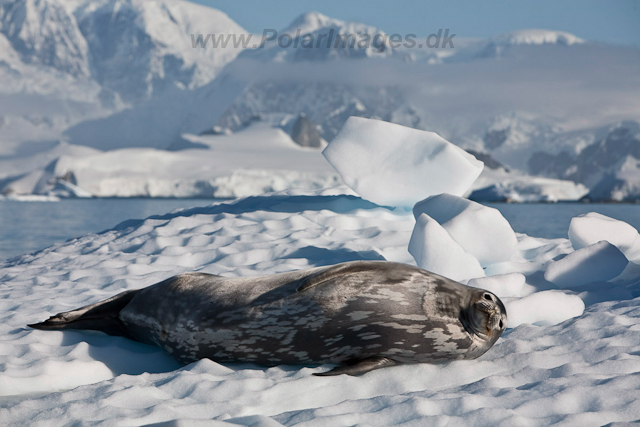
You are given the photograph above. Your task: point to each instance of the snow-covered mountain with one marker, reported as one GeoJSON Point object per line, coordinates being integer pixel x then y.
{"type": "Point", "coordinates": [45, 32]}
{"type": "Point", "coordinates": [133, 48]}
{"type": "Point", "coordinates": [536, 37]}
{"type": "Point", "coordinates": [65, 62]}
{"type": "Point", "coordinates": [317, 37]}
{"type": "Point", "coordinates": [515, 97]}
{"type": "Point", "coordinates": [141, 47]}
{"type": "Point", "coordinates": [609, 164]}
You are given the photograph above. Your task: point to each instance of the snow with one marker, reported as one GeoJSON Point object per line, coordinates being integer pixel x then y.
{"type": "Point", "coordinates": [315, 25]}
{"type": "Point", "coordinates": [593, 227]}
{"type": "Point", "coordinates": [395, 165]}
{"type": "Point", "coordinates": [435, 250]}
{"type": "Point", "coordinates": [502, 285]}
{"type": "Point", "coordinates": [68, 73]}
{"type": "Point", "coordinates": [597, 262]}
{"type": "Point", "coordinates": [258, 159]}
{"type": "Point", "coordinates": [570, 356]}
{"type": "Point", "coordinates": [481, 231]}
{"type": "Point", "coordinates": [156, 37]}
{"type": "Point", "coordinates": [544, 308]}
{"type": "Point", "coordinates": [513, 186]}
{"type": "Point", "coordinates": [65, 62]}
{"type": "Point", "coordinates": [536, 37]}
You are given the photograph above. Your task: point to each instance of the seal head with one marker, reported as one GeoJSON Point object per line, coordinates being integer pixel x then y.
{"type": "Point", "coordinates": [485, 317]}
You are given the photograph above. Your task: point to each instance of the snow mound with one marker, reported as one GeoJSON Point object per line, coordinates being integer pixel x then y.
{"type": "Point", "coordinates": [537, 37]}
{"type": "Point", "coordinates": [435, 250]}
{"type": "Point", "coordinates": [502, 285]}
{"type": "Point", "coordinates": [597, 262]}
{"type": "Point", "coordinates": [395, 165]}
{"type": "Point", "coordinates": [593, 227]}
{"type": "Point", "coordinates": [481, 231]}
{"type": "Point", "coordinates": [543, 308]}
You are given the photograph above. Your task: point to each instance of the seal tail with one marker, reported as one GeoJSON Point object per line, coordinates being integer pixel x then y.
{"type": "Point", "coordinates": [101, 316]}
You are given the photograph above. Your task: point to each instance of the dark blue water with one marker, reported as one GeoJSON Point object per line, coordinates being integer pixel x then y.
{"type": "Point", "coordinates": [30, 226]}
{"type": "Point", "coordinates": [551, 220]}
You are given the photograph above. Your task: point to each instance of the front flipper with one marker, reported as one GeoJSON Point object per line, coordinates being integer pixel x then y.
{"type": "Point", "coordinates": [360, 367]}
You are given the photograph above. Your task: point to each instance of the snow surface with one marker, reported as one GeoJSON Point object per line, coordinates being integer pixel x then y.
{"type": "Point", "coordinates": [395, 165]}
{"type": "Point", "coordinates": [570, 356]}
{"type": "Point", "coordinates": [503, 285]}
{"type": "Point", "coordinates": [552, 307]}
{"type": "Point", "coordinates": [256, 160]}
{"type": "Point", "coordinates": [598, 262]}
{"type": "Point", "coordinates": [593, 227]}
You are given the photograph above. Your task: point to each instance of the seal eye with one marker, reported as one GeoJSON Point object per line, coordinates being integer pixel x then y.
{"type": "Point", "coordinates": [500, 324]}
{"type": "Point", "coordinates": [487, 296]}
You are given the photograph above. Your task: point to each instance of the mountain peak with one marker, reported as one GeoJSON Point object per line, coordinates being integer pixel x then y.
{"type": "Point", "coordinates": [309, 22]}
{"type": "Point", "coordinates": [537, 37]}
{"type": "Point", "coordinates": [314, 22]}
{"type": "Point", "coordinates": [44, 32]}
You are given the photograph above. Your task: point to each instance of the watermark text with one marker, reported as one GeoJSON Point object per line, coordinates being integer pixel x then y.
{"type": "Point", "coordinates": [378, 42]}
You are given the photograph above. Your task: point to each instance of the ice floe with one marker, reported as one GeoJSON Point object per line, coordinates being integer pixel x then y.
{"type": "Point", "coordinates": [567, 357]}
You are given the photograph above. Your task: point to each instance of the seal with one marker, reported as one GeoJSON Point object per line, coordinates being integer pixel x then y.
{"type": "Point", "coordinates": [360, 315]}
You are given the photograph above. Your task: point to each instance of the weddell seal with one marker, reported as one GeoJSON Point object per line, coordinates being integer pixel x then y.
{"type": "Point", "coordinates": [361, 315]}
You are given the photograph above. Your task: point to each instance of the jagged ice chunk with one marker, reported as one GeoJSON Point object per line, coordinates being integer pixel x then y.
{"type": "Point", "coordinates": [481, 231]}
{"type": "Point", "coordinates": [434, 250]}
{"type": "Point", "coordinates": [394, 165]}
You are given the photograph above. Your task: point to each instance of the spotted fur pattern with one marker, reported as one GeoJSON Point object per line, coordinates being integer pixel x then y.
{"type": "Point", "coordinates": [339, 314]}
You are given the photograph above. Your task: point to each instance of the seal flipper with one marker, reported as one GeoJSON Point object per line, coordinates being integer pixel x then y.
{"type": "Point", "coordinates": [101, 316]}
{"type": "Point", "coordinates": [360, 367]}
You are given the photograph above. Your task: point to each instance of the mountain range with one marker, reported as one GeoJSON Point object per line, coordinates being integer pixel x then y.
{"type": "Point", "coordinates": [114, 74]}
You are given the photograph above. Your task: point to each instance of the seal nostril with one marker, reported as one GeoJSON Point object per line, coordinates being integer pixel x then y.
{"type": "Point", "coordinates": [500, 324]}
{"type": "Point", "coordinates": [487, 296]}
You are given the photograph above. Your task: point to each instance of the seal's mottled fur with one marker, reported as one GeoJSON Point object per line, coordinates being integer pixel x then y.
{"type": "Point", "coordinates": [362, 315]}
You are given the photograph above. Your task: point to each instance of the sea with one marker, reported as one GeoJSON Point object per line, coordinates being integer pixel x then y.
{"type": "Point", "coordinates": [27, 227]}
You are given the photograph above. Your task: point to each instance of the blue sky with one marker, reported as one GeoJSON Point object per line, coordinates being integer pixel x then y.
{"type": "Point", "coordinates": [610, 21]}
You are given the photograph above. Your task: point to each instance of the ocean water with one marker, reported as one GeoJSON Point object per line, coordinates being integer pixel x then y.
{"type": "Point", "coordinates": [551, 220]}
{"type": "Point", "coordinates": [27, 227]}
